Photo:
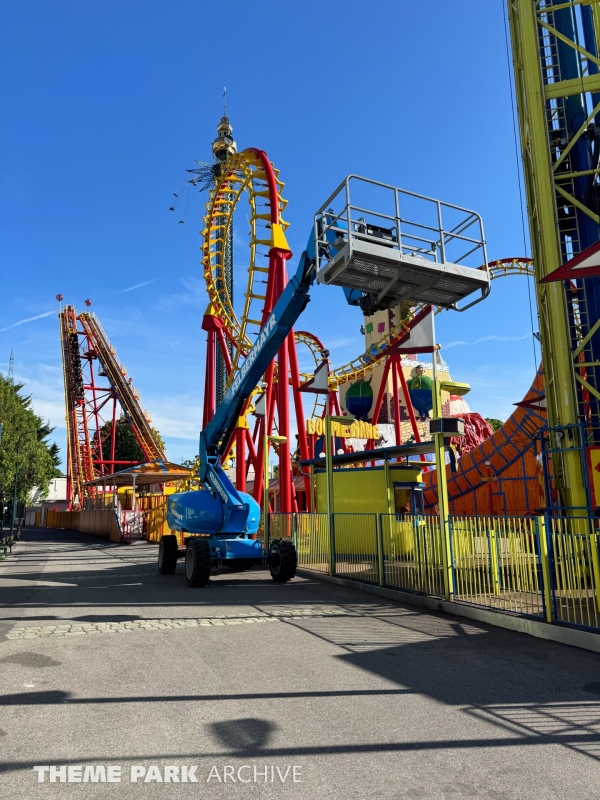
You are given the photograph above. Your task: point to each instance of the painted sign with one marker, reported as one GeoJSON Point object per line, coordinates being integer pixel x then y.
{"type": "Point", "coordinates": [357, 430]}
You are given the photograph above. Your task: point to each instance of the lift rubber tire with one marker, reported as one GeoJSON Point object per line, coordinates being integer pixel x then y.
{"type": "Point", "coordinates": [197, 562]}
{"type": "Point", "coordinates": [167, 555]}
{"type": "Point", "coordinates": [283, 560]}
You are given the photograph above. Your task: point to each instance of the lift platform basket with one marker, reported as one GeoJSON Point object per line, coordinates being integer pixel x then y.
{"type": "Point", "coordinates": [388, 256]}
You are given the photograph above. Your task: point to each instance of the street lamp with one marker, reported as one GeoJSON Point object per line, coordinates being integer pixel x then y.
{"type": "Point", "coordinates": [266, 441]}
{"type": "Point", "coordinates": [329, 473]}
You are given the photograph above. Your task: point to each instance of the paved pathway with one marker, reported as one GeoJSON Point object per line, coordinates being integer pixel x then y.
{"type": "Point", "coordinates": [104, 663]}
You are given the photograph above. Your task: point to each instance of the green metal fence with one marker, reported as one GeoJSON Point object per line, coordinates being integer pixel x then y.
{"type": "Point", "coordinates": [537, 567]}
{"type": "Point", "coordinates": [574, 571]}
{"type": "Point", "coordinates": [496, 563]}
{"type": "Point", "coordinates": [412, 553]}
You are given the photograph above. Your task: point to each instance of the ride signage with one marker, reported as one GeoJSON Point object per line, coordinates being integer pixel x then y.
{"type": "Point", "coordinates": [357, 430]}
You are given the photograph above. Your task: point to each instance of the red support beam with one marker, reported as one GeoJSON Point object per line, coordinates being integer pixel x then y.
{"type": "Point", "coordinates": [298, 407]}
{"type": "Point", "coordinates": [409, 405]}
{"type": "Point", "coordinates": [240, 459]}
{"type": "Point", "coordinates": [209, 377]}
{"type": "Point", "coordinates": [396, 400]}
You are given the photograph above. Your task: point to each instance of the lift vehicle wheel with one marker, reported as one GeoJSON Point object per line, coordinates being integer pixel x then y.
{"type": "Point", "coordinates": [167, 555]}
{"type": "Point", "coordinates": [197, 562]}
{"type": "Point", "coordinates": [283, 560]}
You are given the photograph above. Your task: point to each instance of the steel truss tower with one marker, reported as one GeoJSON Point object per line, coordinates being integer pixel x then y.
{"type": "Point", "coordinates": [223, 147]}
{"type": "Point", "coordinates": [96, 387]}
{"type": "Point", "coordinates": [557, 80]}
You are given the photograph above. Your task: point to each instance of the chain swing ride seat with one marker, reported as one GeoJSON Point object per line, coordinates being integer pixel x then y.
{"type": "Point", "coordinates": [382, 258]}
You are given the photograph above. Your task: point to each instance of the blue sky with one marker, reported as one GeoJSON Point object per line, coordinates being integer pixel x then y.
{"type": "Point", "coordinates": [106, 103]}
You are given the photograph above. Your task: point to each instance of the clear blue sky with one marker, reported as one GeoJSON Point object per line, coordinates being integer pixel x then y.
{"type": "Point", "coordinates": [106, 103]}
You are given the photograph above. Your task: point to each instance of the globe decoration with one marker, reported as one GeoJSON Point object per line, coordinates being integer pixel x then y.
{"type": "Point", "coordinates": [419, 389]}
{"type": "Point", "coordinates": [359, 399]}
{"type": "Point", "coordinates": [422, 401]}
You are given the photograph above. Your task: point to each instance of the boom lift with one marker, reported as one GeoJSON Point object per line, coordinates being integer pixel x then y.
{"type": "Point", "coordinates": [221, 522]}
{"type": "Point", "coordinates": [376, 266]}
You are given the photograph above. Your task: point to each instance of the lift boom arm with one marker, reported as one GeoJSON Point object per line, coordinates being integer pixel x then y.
{"type": "Point", "coordinates": [216, 435]}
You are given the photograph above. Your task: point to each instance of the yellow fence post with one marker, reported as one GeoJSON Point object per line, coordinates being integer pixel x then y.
{"type": "Point", "coordinates": [494, 563]}
{"type": "Point", "coordinates": [380, 549]}
{"type": "Point", "coordinates": [595, 565]}
{"type": "Point", "coordinates": [544, 558]}
{"type": "Point", "coordinates": [442, 487]}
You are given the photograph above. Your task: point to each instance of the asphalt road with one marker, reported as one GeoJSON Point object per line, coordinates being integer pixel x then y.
{"type": "Point", "coordinates": [104, 663]}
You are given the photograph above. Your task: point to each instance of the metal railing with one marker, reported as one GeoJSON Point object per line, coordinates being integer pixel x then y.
{"type": "Point", "coordinates": [412, 223]}
{"type": "Point", "coordinates": [412, 553]}
{"type": "Point", "coordinates": [574, 571]}
{"type": "Point", "coordinates": [356, 546]}
{"type": "Point", "coordinates": [496, 563]}
{"type": "Point", "coordinates": [541, 567]}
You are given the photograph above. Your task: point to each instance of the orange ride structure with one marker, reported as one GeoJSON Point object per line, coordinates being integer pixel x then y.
{"type": "Point", "coordinates": [99, 397]}
{"type": "Point", "coordinates": [502, 476]}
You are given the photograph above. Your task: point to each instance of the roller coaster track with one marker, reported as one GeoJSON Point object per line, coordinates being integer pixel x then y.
{"type": "Point", "coordinates": [128, 397]}
{"type": "Point", "coordinates": [83, 341]}
{"type": "Point", "coordinates": [80, 467]}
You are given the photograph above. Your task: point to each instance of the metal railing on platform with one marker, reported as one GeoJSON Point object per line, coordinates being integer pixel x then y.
{"type": "Point", "coordinates": [541, 567]}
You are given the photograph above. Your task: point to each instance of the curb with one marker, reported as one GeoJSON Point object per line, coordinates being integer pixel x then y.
{"type": "Point", "coordinates": [533, 627]}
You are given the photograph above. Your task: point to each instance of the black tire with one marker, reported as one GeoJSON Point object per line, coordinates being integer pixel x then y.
{"type": "Point", "coordinates": [283, 560]}
{"type": "Point", "coordinates": [197, 562]}
{"type": "Point", "coordinates": [167, 555]}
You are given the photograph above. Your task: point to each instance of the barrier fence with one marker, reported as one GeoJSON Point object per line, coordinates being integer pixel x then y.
{"type": "Point", "coordinates": [542, 567]}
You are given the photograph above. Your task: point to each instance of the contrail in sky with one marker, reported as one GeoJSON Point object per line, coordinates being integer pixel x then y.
{"type": "Point", "coordinates": [23, 321]}
{"type": "Point", "coordinates": [487, 339]}
{"type": "Point", "coordinates": [138, 286]}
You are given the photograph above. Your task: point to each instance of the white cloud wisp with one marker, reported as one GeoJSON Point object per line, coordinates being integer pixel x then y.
{"type": "Point", "coordinates": [23, 321]}
{"type": "Point", "coordinates": [494, 338]}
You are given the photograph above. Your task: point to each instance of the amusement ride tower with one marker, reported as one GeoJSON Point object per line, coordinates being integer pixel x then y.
{"type": "Point", "coordinates": [557, 79]}
{"type": "Point", "coordinates": [223, 147]}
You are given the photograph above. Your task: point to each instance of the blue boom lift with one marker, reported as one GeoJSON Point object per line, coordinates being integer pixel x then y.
{"type": "Point", "coordinates": [218, 522]}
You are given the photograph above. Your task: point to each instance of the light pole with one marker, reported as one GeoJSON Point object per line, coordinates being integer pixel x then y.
{"type": "Point", "coordinates": [266, 441]}
{"type": "Point", "coordinates": [442, 429]}
{"type": "Point", "coordinates": [329, 474]}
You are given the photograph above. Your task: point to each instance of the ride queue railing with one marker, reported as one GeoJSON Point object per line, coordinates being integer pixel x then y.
{"type": "Point", "coordinates": [541, 567]}
{"type": "Point", "coordinates": [496, 563]}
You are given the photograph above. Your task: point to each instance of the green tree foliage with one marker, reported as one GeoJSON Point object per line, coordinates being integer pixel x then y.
{"type": "Point", "coordinates": [127, 447]}
{"type": "Point", "coordinates": [24, 449]}
{"type": "Point", "coordinates": [495, 423]}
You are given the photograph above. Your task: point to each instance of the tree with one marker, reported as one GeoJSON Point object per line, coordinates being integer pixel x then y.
{"type": "Point", "coordinates": [495, 423]}
{"type": "Point", "coordinates": [127, 447]}
{"type": "Point", "coordinates": [24, 452]}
